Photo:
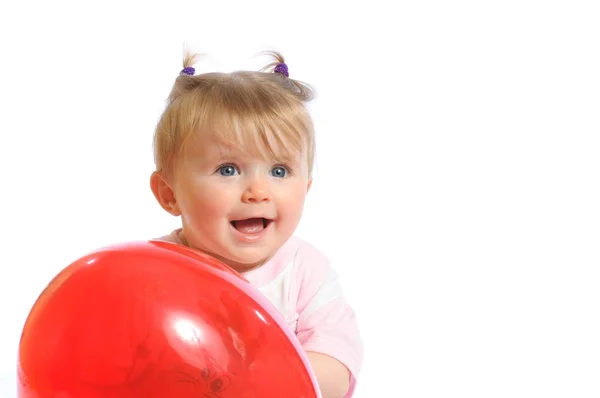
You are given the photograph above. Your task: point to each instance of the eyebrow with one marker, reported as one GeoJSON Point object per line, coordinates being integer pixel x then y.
{"type": "Point", "coordinates": [289, 156]}
{"type": "Point", "coordinates": [222, 155]}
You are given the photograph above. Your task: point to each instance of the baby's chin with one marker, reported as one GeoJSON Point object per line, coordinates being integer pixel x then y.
{"type": "Point", "coordinates": [244, 263]}
{"type": "Point", "coordinates": [240, 260]}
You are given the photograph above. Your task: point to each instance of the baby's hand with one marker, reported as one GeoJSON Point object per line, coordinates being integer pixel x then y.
{"type": "Point", "coordinates": [333, 377]}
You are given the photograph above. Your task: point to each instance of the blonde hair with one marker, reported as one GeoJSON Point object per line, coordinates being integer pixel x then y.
{"type": "Point", "coordinates": [261, 112]}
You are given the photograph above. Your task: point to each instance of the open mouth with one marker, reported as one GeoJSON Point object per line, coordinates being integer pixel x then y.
{"type": "Point", "coordinates": [251, 225]}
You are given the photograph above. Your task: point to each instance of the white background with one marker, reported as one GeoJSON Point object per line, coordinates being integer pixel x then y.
{"type": "Point", "coordinates": [457, 184]}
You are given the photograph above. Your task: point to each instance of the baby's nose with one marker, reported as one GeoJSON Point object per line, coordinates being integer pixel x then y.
{"type": "Point", "coordinates": [256, 192]}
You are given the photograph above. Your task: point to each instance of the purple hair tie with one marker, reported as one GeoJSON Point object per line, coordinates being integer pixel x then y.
{"type": "Point", "coordinates": [188, 71]}
{"type": "Point", "coordinates": [283, 69]}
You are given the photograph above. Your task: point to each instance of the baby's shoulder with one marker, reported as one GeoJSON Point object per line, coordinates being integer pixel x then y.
{"type": "Point", "coordinates": [172, 237]}
{"type": "Point", "coordinates": [307, 254]}
{"type": "Point", "coordinates": [310, 266]}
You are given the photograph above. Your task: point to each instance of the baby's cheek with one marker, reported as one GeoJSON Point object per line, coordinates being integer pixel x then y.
{"type": "Point", "coordinates": [211, 202]}
{"type": "Point", "coordinates": [292, 204]}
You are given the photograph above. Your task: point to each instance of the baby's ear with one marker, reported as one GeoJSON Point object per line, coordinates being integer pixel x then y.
{"type": "Point", "coordinates": [164, 194]}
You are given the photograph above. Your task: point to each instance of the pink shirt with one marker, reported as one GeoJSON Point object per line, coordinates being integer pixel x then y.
{"type": "Point", "coordinates": [299, 281]}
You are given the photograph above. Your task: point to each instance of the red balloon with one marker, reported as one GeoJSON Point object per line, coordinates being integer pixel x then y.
{"type": "Point", "coordinates": [157, 320]}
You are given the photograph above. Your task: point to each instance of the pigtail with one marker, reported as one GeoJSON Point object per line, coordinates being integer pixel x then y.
{"type": "Point", "coordinates": [277, 60]}
{"type": "Point", "coordinates": [186, 80]}
{"type": "Point", "coordinates": [279, 68]}
{"type": "Point", "coordinates": [190, 59]}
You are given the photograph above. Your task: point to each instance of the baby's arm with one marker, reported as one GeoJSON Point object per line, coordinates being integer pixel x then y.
{"type": "Point", "coordinates": [327, 330]}
{"type": "Point", "coordinates": [333, 377]}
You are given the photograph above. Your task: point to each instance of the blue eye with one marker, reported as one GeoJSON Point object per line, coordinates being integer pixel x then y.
{"type": "Point", "coordinates": [227, 170]}
{"type": "Point", "coordinates": [279, 172]}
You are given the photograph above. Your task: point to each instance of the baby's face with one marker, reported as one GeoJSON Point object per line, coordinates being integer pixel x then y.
{"type": "Point", "coordinates": [237, 207]}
